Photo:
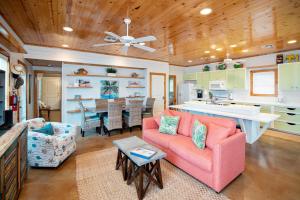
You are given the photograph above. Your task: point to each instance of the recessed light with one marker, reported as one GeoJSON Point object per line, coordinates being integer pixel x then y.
{"type": "Point", "coordinates": [245, 50]}
{"type": "Point", "coordinates": [213, 46]}
{"type": "Point", "coordinates": [233, 45]}
{"type": "Point", "coordinates": [67, 28]}
{"type": "Point", "coordinates": [292, 41]}
{"type": "Point", "coordinates": [205, 11]}
{"type": "Point", "coordinates": [219, 49]}
{"type": "Point", "coordinates": [206, 51]}
{"type": "Point", "coordinates": [189, 61]}
{"type": "Point", "coordinates": [142, 43]}
{"type": "Point", "coordinates": [212, 57]}
{"type": "Point", "coordinates": [65, 45]}
{"type": "Point", "coordinates": [267, 46]}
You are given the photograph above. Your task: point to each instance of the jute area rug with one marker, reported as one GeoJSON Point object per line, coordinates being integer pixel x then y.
{"type": "Point", "coordinates": [97, 179]}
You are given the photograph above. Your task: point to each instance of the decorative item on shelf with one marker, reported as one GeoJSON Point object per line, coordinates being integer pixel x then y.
{"type": "Point", "coordinates": [109, 89]}
{"type": "Point", "coordinates": [290, 58]}
{"type": "Point", "coordinates": [77, 96]}
{"type": "Point", "coordinates": [134, 84]}
{"type": "Point", "coordinates": [83, 83]}
{"type": "Point", "coordinates": [111, 71]}
{"type": "Point", "coordinates": [221, 66]}
{"type": "Point", "coordinates": [134, 75]}
{"type": "Point", "coordinates": [81, 71]}
{"type": "Point", "coordinates": [238, 65]}
{"type": "Point", "coordinates": [279, 58]}
{"type": "Point", "coordinates": [206, 68]}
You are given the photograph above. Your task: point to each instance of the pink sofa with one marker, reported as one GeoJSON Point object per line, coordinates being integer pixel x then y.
{"type": "Point", "coordinates": [223, 158]}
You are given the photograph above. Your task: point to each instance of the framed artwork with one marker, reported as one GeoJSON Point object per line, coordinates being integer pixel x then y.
{"type": "Point", "coordinates": [109, 89]}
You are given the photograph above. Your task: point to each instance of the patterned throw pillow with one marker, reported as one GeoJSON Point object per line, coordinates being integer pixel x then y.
{"type": "Point", "coordinates": [168, 124]}
{"type": "Point", "coordinates": [47, 129]}
{"type": "Point", "coordinates": [199, 134]}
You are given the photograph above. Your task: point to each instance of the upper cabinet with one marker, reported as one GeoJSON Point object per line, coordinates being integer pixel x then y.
{"type": "Point", "coordinates": [203, 79]}
{"type": "Point", "coordinates": [218, 75]}
{"type": "Point", "coordinates": [236, 78]}
{"type": "Point", "coordinates": [189, 76]}
{"type": "Point", "coordinates": [289, 74]}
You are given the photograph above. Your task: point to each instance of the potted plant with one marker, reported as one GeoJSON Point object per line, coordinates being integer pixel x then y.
{"type": "Point", "coordinates": [111, 71]}
{"type": "Point", "coordinates": [221, 66]}
{"type": "Point", "coordinates": [206, 68]}
{"type": "Point", "coordinates": [238, 65]}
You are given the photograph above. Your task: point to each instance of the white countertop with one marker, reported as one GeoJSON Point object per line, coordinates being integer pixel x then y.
{"type": "Point", "coordinates": [264, 103]}
{"type": "Point", "coordinates": [260, 117]}
{"type": "Point", "coordinates": [9, 137]}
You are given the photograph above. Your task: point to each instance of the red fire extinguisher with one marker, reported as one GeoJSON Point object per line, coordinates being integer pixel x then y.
{"type": "Point", "coordinates": [13, 101]}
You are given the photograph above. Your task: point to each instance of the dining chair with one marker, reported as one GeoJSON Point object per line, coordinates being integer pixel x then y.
{"type": "Point", "coordinates": [121, 100]}
{"type": "Point", "coordinates": [148, 111]}
{"type": "Point", "coordinates": [113, 120]}
{"type": "Point", "coordinates": [88, 122]}
{"type": "Point", "coordinates": [101, 103]}
{"type": "Point", "coordinates": [133, 116]}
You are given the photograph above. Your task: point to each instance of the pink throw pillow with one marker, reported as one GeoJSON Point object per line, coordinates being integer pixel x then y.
{"type": "Point", "coordinates": [215, 134]}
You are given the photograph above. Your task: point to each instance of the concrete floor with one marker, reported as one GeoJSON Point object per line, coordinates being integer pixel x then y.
{"type": "Point", "coordinates": [272, 171]}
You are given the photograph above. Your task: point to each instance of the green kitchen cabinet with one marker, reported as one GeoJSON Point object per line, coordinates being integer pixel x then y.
{"type": "Point", "coordinates": [218, 75]}
{"type": "Point", "coordinates": [203, 79]}
{"type": "Point", "coordinates": [189, 76]}
{"type": "Point", "coordinates": [289, 74]}
{"type": "Point", "coordinates": [235, 78]}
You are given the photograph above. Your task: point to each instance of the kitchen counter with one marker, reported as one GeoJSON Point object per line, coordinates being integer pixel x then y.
{"type": "Point", "coordinates": [10, 136]}
{"type": "Point", "coordinates": [249, 117]}
{"type": "Point", "coordinates": [266, 103]}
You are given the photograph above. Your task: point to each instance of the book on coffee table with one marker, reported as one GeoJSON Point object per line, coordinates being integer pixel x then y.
{"type": "Point", "coordinates": [142, 152]}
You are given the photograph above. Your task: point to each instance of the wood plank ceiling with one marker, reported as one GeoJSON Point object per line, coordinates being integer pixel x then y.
{"type": "Point", "coordinates": [249, 24]}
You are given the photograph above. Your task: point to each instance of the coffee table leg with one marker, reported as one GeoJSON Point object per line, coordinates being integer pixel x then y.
{"type": "Point", "coordinates": [140, 188]}
{"type": "Point", "coordinates": [122, 161]}
{"type": "Point", "coordinates": [119, 158]}
{"type": "Point", "coordinates": [158, 175]}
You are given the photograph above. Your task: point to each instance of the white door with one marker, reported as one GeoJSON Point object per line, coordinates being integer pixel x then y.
{"type": "Point", "coordinates": [158, 91]}
{"type": "Point", "coordinates": [51, 91]}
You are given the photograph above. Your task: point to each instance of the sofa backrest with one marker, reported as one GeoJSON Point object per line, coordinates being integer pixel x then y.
{"type": "Point", "coordinates": [224, 122]}
{"type": "Point", "coordinates": [184, 122]}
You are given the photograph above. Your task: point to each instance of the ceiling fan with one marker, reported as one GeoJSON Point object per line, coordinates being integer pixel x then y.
{"type": "Point", "coordinates": [128, 41]}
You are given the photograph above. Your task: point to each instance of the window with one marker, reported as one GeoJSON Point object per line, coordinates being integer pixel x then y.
{"type": "Point", "coordinates": [264, 82]}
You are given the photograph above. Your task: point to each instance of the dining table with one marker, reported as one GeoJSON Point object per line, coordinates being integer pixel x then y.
{"type": "Point", "coordinates": [104, 110]}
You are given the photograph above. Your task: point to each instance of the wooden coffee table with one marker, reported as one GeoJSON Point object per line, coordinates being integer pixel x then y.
{"type": "Point", "coordinates": [135, 169]}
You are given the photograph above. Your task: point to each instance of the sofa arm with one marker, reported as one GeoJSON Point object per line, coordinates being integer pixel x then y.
{"type": "Point", "coordinates": [149, 123]}
{"type": "Point", "coordinates": [228, 160]}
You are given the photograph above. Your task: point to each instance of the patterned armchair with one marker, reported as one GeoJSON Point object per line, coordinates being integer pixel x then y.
{"type": "Point", "coordinates": [50, 150]}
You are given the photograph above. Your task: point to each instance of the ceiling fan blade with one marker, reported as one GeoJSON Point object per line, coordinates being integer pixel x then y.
{"type": "Point", "coordinates": [124, 49]}
{"type": "Point", "coordinates": [113, 35]}
{"type": "Point", "coordinates": [145, 39]}
{"type": "Point", "coordinates": [145, 48]}
{"type": "Point", "coordinates": [106, 44]}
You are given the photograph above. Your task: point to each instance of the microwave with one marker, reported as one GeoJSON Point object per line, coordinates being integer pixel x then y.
{"type": "Point", "coordinates": [217, 85]}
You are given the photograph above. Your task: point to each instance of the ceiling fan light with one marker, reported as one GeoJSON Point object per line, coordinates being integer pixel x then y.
{"type": "Point", "coordinates": [142, 43]}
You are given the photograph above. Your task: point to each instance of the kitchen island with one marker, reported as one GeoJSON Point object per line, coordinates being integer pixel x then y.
{"type": "Point", "coordinates": [248, 117]}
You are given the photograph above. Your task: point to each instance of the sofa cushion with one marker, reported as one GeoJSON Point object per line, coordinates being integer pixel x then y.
{"type": "Point", "coordinates": [184, 123]}
{"type": "Point", "coordinates": [47, 129]}
{"type": "Point", "coordinates": [169, 124]}
{"type": "Point", "coordinates": [199, 134]}
{"type": "Point", "coordinates": [216, 133]}
{"type": "Point", "coordinates": [157, 118]}
{"type": "Point", "coordinates": [224, 122]}
{"type": "Point", "coordinates": [184, 147]}
{"type": "Point", "coordinates": [158, 138]}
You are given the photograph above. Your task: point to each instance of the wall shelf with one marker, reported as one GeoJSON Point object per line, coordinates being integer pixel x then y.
{"type": "Point", "coordinates": [98, 75]}
{"type": "Point", "coordinates": [73, 111]}
{"type": "Point", "coordinates": [78, 87]}
{"type": "Point", "coordinates": [135, 97]}
{"type": "Point", "coordinates": [81, 99]}
{"type": "Point", "coordinates": [135, 87]}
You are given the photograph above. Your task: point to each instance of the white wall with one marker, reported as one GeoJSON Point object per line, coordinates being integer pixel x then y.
{"type": "Point", "coordinates": [264, 60]}
{"type": "Point", "coordinates": [57, 54]}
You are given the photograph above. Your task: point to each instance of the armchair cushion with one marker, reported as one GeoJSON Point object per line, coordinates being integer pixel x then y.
{"type": "Point", "coordinates": [47, 129]}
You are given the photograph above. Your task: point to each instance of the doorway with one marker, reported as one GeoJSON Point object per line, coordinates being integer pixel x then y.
{"type": "Point", "coordinates": [48, 96]}
{"type": "Point", "coordinates": [158, 91]}
{"type": "Point", "coordinates": [172, 90]}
